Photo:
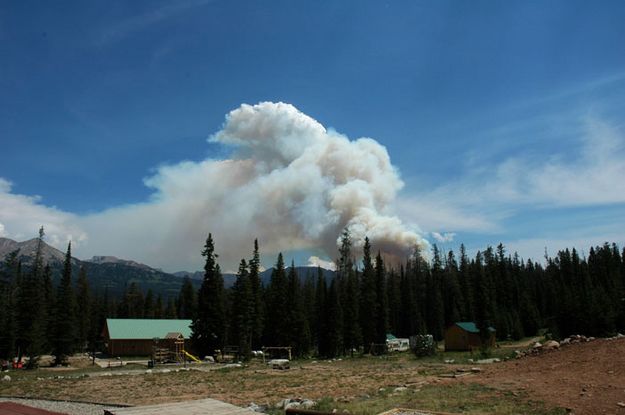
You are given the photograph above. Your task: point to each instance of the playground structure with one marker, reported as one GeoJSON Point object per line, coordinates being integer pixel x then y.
{"type": "Point", "coordinates": [171, 350]}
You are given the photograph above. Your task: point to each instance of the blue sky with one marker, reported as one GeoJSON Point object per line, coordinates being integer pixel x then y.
{"type": "Point", "coordinates": [504, 120]}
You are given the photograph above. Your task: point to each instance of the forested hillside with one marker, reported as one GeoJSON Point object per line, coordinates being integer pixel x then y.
{"type": "Point", "coordinates": [321, 315]}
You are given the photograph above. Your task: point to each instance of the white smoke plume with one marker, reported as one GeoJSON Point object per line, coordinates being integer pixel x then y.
{"type": "Point", "coordinates": [315, 261]}
{"type": "Point", "coordinates": [289, 182]}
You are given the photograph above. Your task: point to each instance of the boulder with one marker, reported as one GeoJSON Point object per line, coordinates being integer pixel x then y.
{"type": "Point", "coordinates": [6, 378]}
{"type": "Point", "coordinates": [550, 345]}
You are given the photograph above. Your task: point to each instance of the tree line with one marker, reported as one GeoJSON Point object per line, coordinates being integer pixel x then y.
{"type": "Point", "coordinates": [354, 311]}
{"type": "Point", "coordinates": [314, 315]}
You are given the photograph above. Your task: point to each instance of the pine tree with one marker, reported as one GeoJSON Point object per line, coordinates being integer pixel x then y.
{"type": "Point", "coordinates": [381, 303]}
{"type": "Point", "coordinates": [208, 327]}
{"type": "Point", "coordinates": [243, 311]}
{"type": "Point", "coordinates": [320, 330]}
{"type": "Point", "coordinates": [452, 295]}
{"type": "Point", "coordinates": [148, 305]}
{"type": "Point", "coordinates": [257, 295]}
{"type": "Point", "coordinates": [435, 312]}
{"type": "Point", "coordinates": [30, 339]}
{"type": "Point", "coordinates": [10, 275]}
{"type": "Point", "coordinates": [276, 326]}
{"type": "Point", "coordinates": [64, 341]}
{"type": "Point", "coordinates": [348, 279]}
{"type": "Point", "coordinates": [170, 311]}
{"type": "Point", "coordinates": [83, 304]}
{"type": "Point", "coordinates": [159, 312]}
{"type": "Point", "coordinates": [299, 331]}
{"type": "Point", "coordinates": [132, 304]}
{"type": "Point", "coordinates": [187, 300]}
{"type": "Point", "coordinates": [466, 285]}
{"type": "Point", "coordinates": [49, 306]}
{"type": "Point", "coordinates": [333, 321]}
{"type": "Point", "coordinates": [368, 298]}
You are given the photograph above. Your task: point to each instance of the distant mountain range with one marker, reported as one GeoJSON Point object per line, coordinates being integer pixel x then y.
{"type": "Point", "coordinates": [114, 274]}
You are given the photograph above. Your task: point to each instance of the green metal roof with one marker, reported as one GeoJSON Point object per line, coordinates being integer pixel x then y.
{"type": "Point", "coordinates": [134, 328]}
{"type": "Point", "coordinates": [471, 327]}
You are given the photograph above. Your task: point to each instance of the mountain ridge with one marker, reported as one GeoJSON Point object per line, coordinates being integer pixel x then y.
{"type": "Point", "coordinates": [106, 272]}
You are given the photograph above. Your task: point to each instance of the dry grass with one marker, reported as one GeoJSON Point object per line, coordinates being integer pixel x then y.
{"type": "Point", "coordinates": [360, 385]}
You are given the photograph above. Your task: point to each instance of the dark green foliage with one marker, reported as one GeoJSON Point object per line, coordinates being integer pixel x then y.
{"type": "Point", "coordinates": [170, 310]}
{"type": "Point", "coordinates": [435, 312]}
{"type": "Point", "coordinates": [276, 332]}
{"type": "Point", "coordinates": [381, 302]}
{"type": "Point", "coordinates": [187, 300]}
{"type": "Point", "coordinates": [243, 312]}
{"type": "Point", "coordinates": [297, 324]}
{"type": "Point", "coordinates": [257, 295]}
{"type": "Point", "coordinates": [10, 274]}
{"type": "Point", "coordinates": [348, 281]}
{"type": "Point", "coordinates": [209, 326]}
{"type": "Point", "coordinates": [333, 322]}
{"type": "Point", "coordinates": [329, 315]}
{"type": "Point", "coordinates": [31, 316]}
{"type": "Point", "coordinates": [132, 304]}
{"type": "Point", "coordinates": [368, 298]}
{"type": "Point", "coordinates": [65, 333]}
{"type": "Point", "coordinates": [83, 309]}
{"type": "Point", "coordinates": [424, 345]}
{"type": "Point", "coordinates": [149, 305]}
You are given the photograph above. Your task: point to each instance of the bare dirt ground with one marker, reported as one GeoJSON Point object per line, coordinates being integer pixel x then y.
{"type": "Point", "coordinates": [588, 378]}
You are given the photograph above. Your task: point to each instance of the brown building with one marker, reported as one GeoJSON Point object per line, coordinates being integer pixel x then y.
{"type": "Point", "coordinates": [138, 337]}
{"type": "Point", "coordinates": [464, 336]}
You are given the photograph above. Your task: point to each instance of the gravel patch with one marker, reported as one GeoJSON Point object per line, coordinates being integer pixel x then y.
{"type": "Point", "coordinates": [71, 408]}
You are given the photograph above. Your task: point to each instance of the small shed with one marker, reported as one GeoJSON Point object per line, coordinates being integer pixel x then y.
{"type": "Point", "coordinates": [136, 337]}
{"type": "Point", "coordinates": [464, 336]}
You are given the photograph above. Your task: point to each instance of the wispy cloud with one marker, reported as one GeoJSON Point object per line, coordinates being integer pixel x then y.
{"type": "Point", "coordinates": [586, 169]}
{"type": "Point", "coordinates": [127, 27]}
{"type": "Point", "coordinates": [444, 237]}
{"type": "Point", "coordinates": [21, 216]}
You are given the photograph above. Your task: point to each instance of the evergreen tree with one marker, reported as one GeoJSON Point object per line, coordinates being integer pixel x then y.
{"type": "Point", "coordinates": [368, 298]}
{"type": "Point", "coordinates": [9, 276]}
{"type": "Point", "coordinates": [132, 304]}
{"type": "Point", "coordinates": [435, 307]}
{"type": "Point", "coordinates": [381, 304]}
{"type": "Point", "coordinates": [257, 295]}
{"type": "Point", "coordinates": [83, 307]}
{"type": "Point", "coordinates": [299, 331]}
{"type": "Point", "coordinates": [208, 327]}
{"type": "Point", "coordinates": [452, 294]}
{"type": "Point", "coordinates": [30, 339]}
{"type": "Point", "coordinates": [394, 300]}
{"type": "Point", "coordinates": [243, 311]}
{"type": "Point", "coordinates": [320, 330]}
{"type": "Point", "coordinates": [348, 279]}
{"type": "Point", "coordinates": [466, 286]}
{"type": "Point", "coordinates": [187, 300]}
{"type": "Point", "coordinates": [333, 321]}
{"type": "Point", "coordinates": [148, 305]}
{"type": "Point", "coordinates": [276, 325]}
{"type": "Point", "coordinates": [159, 312]}
{"type": "Point", "coordinates": [65, 336]}
{"type": "Point", "coordinates": [170, 311]}
{"type": "Point", "coordinates": [49, 306]}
